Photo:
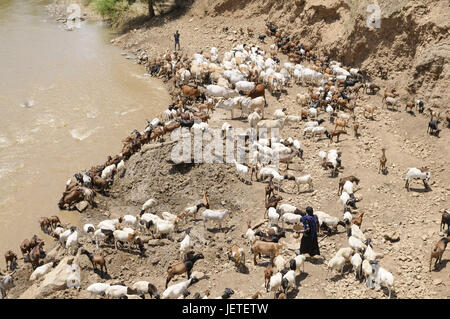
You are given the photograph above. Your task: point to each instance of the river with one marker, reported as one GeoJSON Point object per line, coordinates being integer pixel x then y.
{"type": "Point", "coordinates": [83, 97]}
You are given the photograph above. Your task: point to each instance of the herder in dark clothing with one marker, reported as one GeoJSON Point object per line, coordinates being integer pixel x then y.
{"type": "Point", "coordinates": [177, 40]}
{"type": "Point", "coordinates": [309, 244]}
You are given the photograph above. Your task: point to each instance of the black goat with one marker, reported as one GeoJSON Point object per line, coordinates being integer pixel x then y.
{"type": "Point", "coordinates": [227, 293]}
{"type": "Point", "coordinates": [433, 127]}
{"type": "Point", "coordinates": [270, 238]}
{"type": "Point", "coordinates": [186, 123]}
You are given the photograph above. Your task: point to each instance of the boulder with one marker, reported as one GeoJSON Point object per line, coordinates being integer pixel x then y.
{"type": "Point", "coordinates": [56, 253]}
{"type": "Point", "coordinates": [81, 206]}
{"type": "Point", "coordinates": [393, 237]}
{"type": "Point", "coordinates": [65, 275]}
{"type": "Point", "coordinates": [198, 274]}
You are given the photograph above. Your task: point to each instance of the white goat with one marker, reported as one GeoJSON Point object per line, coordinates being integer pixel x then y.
{"type": "Point", "coordinates": [297, 261]}
{"type": "Point", "coordinates": [415, 173]}
{"type": "Point", "coordinates": [108, 171]}
{"type": "Point", "coordinates": [306, 179]}
{"type": "Point", "coordinates": [279, 263]}
{"type": "Point", "coordinates": [98, 288]}
{"type": "Point", "coordinates": [337, 263]}
{"type": "Point", "coordinates": [72, 241]}
{"type": "Point", "coordinates": [356, 263]}
{"type": "Point", "coordinates": [175, 291]}
{"type": "Point", "coordinates": [42, 270]}
{"type": "Point", "coordinates": [148, 204]}
{"type": "Point", "coordinates": [209, 214]}
{"type": "Point", "coordinates": [273, 215]}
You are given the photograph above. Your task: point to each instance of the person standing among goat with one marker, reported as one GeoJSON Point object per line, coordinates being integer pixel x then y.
{"type": "Point", "coordinates": [309, 244]}
{"type": "Point", "coordinates": [177, 40]}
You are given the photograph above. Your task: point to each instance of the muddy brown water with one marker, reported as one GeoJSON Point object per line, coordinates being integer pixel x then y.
{"type": "Point", "coordinates": [85, 97]}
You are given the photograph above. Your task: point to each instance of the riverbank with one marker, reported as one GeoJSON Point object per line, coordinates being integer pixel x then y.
{"type": "Point", "coordinates": [86, 98]}
{"type": "Point", "coordinates": [414, 215]}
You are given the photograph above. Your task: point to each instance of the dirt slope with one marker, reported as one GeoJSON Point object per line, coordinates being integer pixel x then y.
{"type": "Point", "coordinates": [412, 42]}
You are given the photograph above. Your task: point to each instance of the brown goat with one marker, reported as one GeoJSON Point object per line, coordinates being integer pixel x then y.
{"type": "Point", "coordinates": [205, 199]}
{"type": "Point", "coordinates": [341, 123]}
{"type": "Point", "coordinates": [392, 94]}
{"type": "Point", "coordinates": [383, 161]}
{"type": "Point", "coordinates": [270, 187]}
{"type": "Point", "coordinates": [45, 224]}
{"type": "Point", "coordinates": [369, 109]}
{"type": "Point", "coordinates": [341, 103]}
{"type": "Point", "coordinates": [170, 127]}
{"type": "Point", "coordinates": [237, 254]}
{"type": "Point", "coordinates": [99, 183]}
{"type": "Point", "coordinates": [358, 220]}
{"type": "Point", "coordinates": [96, 260]}
{"type": "Point", "coordinates": [371, 87]}
{"type": "Point", "coordinates": [73, 184]}
{"type": "Point", "coordinates": [355, 128]}
{"type": "Point", "coordinates": [409, 105]}
{"type": "Point", "coordinates": [336, 133]}
{"type": "Point", "coordinates": [10, 257]}
{"type": "Point", "coordinates": [202, 116]}
{"type": "Point", "coordinates": [266, 248]}
{"type": "Point", "coordinates": [156, 133]}
{"type": "Point", "coordinates": [183, 266]}
{"type": "Point", "coordinates": [35, 254]}
{"type": "Point", "coordinates": [54, 221]}
{"type": "Point", "coordinates": [272, 202]}
{"type": "Point", "coordinates": [255, 167]}
{"type": "Point", "coordinates": [445, 220]}
{"type": "Point", "coordinates": [25, 247]}
{"type": "Point", "coordinates": [268, 272]}
{"type": "Point", "coordinates": [256, 295]}
{"type": "Point", "coordinates": [190, 92]}
{"type": "Point", "coordinates": [206, 106]}
{"type": "Point", "coordinates": [438, 250]}
{"type": "Point", "coordinates": [186, 116]}
{"type": "Point", "coordinates": [342, 181]}
{"type": "Point", "coordinates": [259, 90]}
{"type": "Point", "coordinates": [73, 197]}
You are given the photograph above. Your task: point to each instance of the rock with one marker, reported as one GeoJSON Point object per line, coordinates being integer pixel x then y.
{"type": "Point", "coordinates": [437, 282]}
{"type": "Point", "coordinates": [81, 206]}
{"type": "Point", "coordinates": [55, 253]}
{"type": "Point", "coordinates": [146, 239]}
{"type": "Point", "coordinates": [393, 237]}
{"type": "Point", "coordinates": [198, 274]}
{"type": "Point", "coordinates": [154, 242]}
{"type": "Point", "coordinates": [61, 277]}
{"type": "Point", "coordinates": [155, 261]}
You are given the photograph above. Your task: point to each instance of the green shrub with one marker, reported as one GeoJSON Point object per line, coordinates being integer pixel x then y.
{"type": "Point", "coordinates": [110, 8]}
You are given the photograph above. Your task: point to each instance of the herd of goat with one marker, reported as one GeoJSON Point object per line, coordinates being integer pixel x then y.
{"type": "Point", "coordinates": [236, 81]}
